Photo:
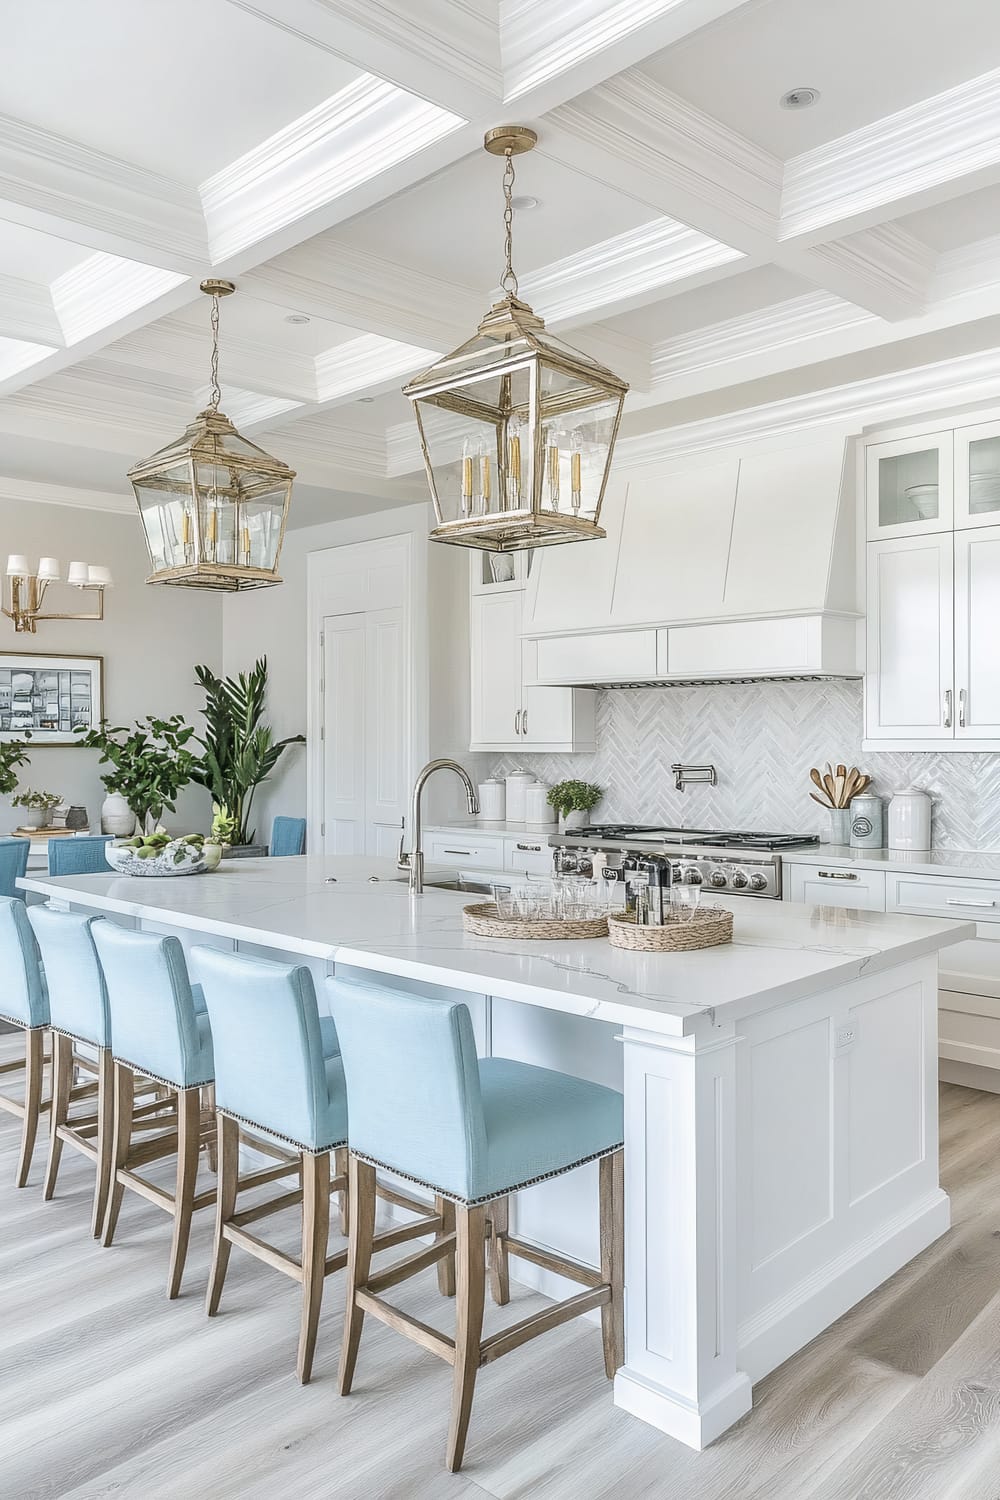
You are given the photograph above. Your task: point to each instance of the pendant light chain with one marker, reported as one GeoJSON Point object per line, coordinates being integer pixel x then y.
{"type": "Point", "coordinates": [216, 392]}
{"type": "Point", "coordinates": [508, 280]}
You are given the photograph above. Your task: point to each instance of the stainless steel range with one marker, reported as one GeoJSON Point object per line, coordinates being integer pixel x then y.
{"type": "Point", "coordinates": [730, 863]}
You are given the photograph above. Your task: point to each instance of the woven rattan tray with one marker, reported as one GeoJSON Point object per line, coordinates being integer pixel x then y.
{"type": "Point", "coordinates": [482, 921]}
{"type": "Point", "coordinates": [704, 928]}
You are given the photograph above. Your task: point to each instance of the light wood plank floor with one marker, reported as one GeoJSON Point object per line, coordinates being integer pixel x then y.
{"type": "Point", "coordinates": [106, 1389]}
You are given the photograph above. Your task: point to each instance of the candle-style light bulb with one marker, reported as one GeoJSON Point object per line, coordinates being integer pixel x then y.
{"type": "Point", "coordinates": [468, 490]}
{"type": "Point", "coordinates": [514, 462]}
{"type": "Point", "coordinates": [552, 438]}
{"type": "Point", "coordinates": [575, 469]}
{"type": "Point", "coordinates": [186, 541]}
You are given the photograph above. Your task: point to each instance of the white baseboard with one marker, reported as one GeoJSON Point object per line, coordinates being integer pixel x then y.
{"type": "Point", "coordinates": [695, 1425]}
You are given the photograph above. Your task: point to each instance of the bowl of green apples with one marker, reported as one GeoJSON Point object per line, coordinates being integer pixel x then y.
{"type": "Point", "coordinates": [158, 854]}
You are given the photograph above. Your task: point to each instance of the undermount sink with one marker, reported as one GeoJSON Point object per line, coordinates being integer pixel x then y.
{"type": "Point", "coordinates": [468, 884]}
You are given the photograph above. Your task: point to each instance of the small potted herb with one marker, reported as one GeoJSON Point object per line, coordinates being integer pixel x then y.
{"type": "Point", "coordinates": [13, 753]}
{"type": "Point", "coordinates": [573, 800]}
{"type": "Point", "coordinates": [37, 807]}
{"type": "Point", "coordinates": [224, 830]}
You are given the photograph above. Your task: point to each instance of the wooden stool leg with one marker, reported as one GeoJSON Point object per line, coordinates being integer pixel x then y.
{"type": "Point", "coordinates": [499, 1215]}
{"type": "Point", "coordinates": [340, 1167]}
{"type": "Point", "coordinates": [315, 1234]}
{"type": "Point", "coordinates": [34, 1058]}
{"type": "Point", "coordinates": [446, 1266]}
{"type": "Point", "coordinates": [124, 1099]}
{"type": "Point", "coordinates": [105, 1138]}
{"type": "Point", "coordinates": [208, 1118]}
{"type": "Point", "coordinates": [62, 1080]}
{"type": "Point", "coordinates": [359, 1260]}
{"type": "Point", "coordinates": [612, 1198]}
{"type": "Point", "coordinates": [188, 1147]}
{"type": "Point", "coordinates": [470, 1267]}
{"type": "Point", "coordinates": [228, 1157]}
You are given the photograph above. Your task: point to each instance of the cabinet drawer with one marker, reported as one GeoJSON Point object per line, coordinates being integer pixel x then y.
{"type": "Point", "coordinates": [528, 856]}
{"type": "Point", "coordinates": [829, 885]}
{"type": "Point", "coordinates": [932, 895]}
{"type": "Point", "coordinates": [969, 1028]}
{"type": "Point", "coordinates": [458, 853]}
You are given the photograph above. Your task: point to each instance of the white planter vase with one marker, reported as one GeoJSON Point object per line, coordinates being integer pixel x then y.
{"type": "Point", "coordinates": [116, 816]}
{"type": "Point", "coordinates": [35, 817]}
{"type": "Point", "coordinates": [572, 820]}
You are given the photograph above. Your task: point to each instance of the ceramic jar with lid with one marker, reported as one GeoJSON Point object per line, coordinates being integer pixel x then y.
{"type": "Point", "coordinates": [537, 812]}
{"type": "Point", "coordinates": [910, 819]}
{"type": "Point", "coordinates": [867, 822]}
{"type": "Point", "coordinates": [517, 786]}
{"type": "Point", "coordinates": [492, 800]}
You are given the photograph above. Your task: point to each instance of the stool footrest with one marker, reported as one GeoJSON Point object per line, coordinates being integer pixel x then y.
{"type": "Point", "coordinates": [529, 1328]}
{"type": "Point", "coordinates": [404, 1232]}
{"type": "Point", "coordinates": [263, 1251]}
{"type": "Point", "coordinates": [404, 1200]}
{"type": "Point", "coordinates": [411, 1266]}
{"type": "Point", "coordinates": [428, 1338]}
{"type": "Point", "coordinates": [571, 1269]}
{"type": "Point", "coordinates": [264, 1210]}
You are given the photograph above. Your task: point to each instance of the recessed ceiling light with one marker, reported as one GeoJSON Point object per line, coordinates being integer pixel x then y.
{"type": "Point", "coordinates": [526, 201]}
{"type": "Point", "coordinates": [366, 400]}
{"type": "Point", "coordinates": [799, 98]}
{"type": "Point", "coordinates": [296, 318]}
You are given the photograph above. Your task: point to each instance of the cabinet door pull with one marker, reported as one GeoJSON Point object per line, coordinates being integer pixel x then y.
{"type": "Point", "coordinates": [458, 851]}
{"type": "Point", "coordinates": [962, 698]}
{"type": "Point", "coordinates": [524, 721]}
{"type": "Point", "coordinates": [530, 848]}
{"type": "Point", "coordinates": [962, 901]}
{"type": "Point", "coordinates": [836, 875]}
{"type": "Point", "coordinates": [517, 722]}
{"type": "Point", "coordinates": [947, 708]}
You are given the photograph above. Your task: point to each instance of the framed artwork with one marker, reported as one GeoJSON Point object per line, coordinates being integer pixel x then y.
{"type": "Point", "coordinates": [50, 695]}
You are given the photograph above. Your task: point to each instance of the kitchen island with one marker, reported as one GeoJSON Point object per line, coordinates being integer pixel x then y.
{"type": "Point", "coordinates": [780, 1093]}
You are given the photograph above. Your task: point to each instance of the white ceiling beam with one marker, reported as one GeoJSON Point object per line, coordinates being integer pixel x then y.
{"type": "Point", "coordinates": [446, 51]}
{"type": "Point", "coordinates": [181, 350]}
{"type": "Point", "coordinates": [368, 363]}
{"type": "Point", "coordinates": [884, 269]}
{"type": "Point", "coordinates": [26, 312]}
{"type": "Point", "coordinates": [103, 290]}
{"type": "Point", "coordinates": [38, 493]}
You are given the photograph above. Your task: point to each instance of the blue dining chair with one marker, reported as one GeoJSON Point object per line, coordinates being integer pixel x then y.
{"type": "Point", "coordinates": [24, 1003]}
{"type": "Point", "coordinates": [420, 1103]}
{"type": "Point", "coordinates": [288, 836]}
{"type": "Point", "coordinates": [13, 864]}
{"type": "Point", "coordinates": [79, 854]}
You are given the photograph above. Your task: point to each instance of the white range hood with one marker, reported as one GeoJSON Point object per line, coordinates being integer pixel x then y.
{"type": "Point", "coordinates": [739, 570]}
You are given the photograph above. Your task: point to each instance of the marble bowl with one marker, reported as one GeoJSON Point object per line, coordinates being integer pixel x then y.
{"type": "Point", "coordinates": [175, 858]}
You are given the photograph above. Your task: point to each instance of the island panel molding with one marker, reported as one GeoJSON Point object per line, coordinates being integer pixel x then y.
{"type": "Point", "coordinates": [49, 696]}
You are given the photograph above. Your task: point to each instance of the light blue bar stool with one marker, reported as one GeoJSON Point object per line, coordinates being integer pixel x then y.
{"type": "Point", "coordinates": [423, 1105]}
{"type": "Point", "coordinates": [25, 1004]}
{"type": "Point", "coordinates": [159, 1031]}
{"type": "Point", "coordinates": [288, 836]}
{"type": "Point", "coordinates": [13, 864]}
{"type": "Point", "coordinates": [80, 854]}
{"type": "Point", "coordinates": [278, 1072]}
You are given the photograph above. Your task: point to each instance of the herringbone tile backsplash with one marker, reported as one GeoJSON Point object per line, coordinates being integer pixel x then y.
{"type": "Point", "coordinates": [762, 738]}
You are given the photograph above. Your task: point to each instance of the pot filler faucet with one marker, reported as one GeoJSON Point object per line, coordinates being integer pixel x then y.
{"type": "Point", "coordinates": [414, 859]}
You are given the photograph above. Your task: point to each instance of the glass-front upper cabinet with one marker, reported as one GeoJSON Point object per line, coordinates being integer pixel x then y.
{"type": "Point", "coordinates": [909, 486]}
{"type": "Point", "coordinates": [977, 475]}
{"type": "Point", "coordinates": [496, 572]}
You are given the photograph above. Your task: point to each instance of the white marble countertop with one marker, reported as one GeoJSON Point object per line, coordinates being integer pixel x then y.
{"type": "Point", "coordinates": [970, 863]}
{"type": "Point", "coordinates": [330, 908]}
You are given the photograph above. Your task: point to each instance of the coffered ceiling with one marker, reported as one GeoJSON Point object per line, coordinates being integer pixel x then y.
{"type": "Point", "coordinates": [726, 254]}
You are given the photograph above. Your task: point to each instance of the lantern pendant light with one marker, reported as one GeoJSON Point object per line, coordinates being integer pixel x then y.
{"type": "Point", "coordinates": [213, 505]}
{"type": "Point", "coordinates": [517, 428]}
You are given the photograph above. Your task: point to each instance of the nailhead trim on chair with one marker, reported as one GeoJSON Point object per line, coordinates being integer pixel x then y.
{"type": "Point", "coordinates": [490, 1197]}
{"type": "Point", "coordinates": [16, 1021]}
{"type": "Point", "coordinates": [266, 1130]}
{"type": "Point", "coordinates": [168, 1083]}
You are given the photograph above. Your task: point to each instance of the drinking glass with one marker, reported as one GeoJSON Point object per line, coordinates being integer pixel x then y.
{"type": "Point", "coordinates": [506, 905]}
{"type": "Point", "coordinates": [684, 901]}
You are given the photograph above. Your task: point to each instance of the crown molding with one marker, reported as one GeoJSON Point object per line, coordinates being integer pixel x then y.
{"type": "Point", "coordinates": [884, 269]}
{"type": "Point", "coordinates": [182, 350]}
{"type": "Point", "coordinates": [26, 312]}
{"type": "Point", "coordinates": [30, 491]}
{"type": "Point", "coordinates": [96, 200]}
{"type": "Point", "coordinates": [627, 268]}
{"type": "Point", "coordinates": [103, 289]}
{"type": "Point", "coordinates": [356, 135]}
{"type": "Point", "coordinates": [904, 156]}
{"type": "Point", "coordinates": [315, 441]}
{"type": "Point", "coordinates": [448, 51]}
{"type": "Point", "coordinates": [366, 362]}
{"type": "Point", "coordinates": [17, 355]}
{"type": "Point", "coordinates": [628, 357]}
{"type": "Point", "coordinates": [968, 268]}
{"type": "Point", "coordinates": [657, 147]}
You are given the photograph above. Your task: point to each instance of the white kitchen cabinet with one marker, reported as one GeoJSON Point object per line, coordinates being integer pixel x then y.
{"type": "Point", "coordinates": [833, 885]}
{"type": "Point", "coordinates": [910, 686]}
{"type": "Point", "coordinates": [977, 631]}
{"type": "Point", "coordinates": [909, 484]}
{"type": "Point", "coordinates": [530, 855]}
{"type": "Point", "coordinates": [455, 851]}
{"type": "Point", "coordinates": [977, 476]}
{"type": "Point", "coordinates": [509, 710]}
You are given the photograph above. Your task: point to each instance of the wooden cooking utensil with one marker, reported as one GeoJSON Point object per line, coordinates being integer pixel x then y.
{"type": "Point", "coordinates": [821, 800]}
{"type": "Point", "coordinates": [830, 787]}
{"type": "Point", "coordinates": [841, 770]}
{"type": "Point", "coordinates": [816, 780]}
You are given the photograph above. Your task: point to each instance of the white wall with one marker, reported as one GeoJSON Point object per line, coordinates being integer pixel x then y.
{"type": "Point", "coordinates": [150, 638]}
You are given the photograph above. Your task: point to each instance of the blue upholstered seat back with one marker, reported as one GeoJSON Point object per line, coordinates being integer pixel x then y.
{"type": "Point", "coordinates": [269, 1062]}
{"type": "Point", "coordinates": [78, 999]}
{"type": "Point", "coordinates": [413, 1091]}
{"type": "Point", "coordinates": [22, 988]}
{"type": "Point", "coordinates": [288, 836]}
{"type": "Point", "coordinates": [83, 854]}
{"type": "Point", "coordinates": [13, 863]}
{"type": "Point", "coordinates": [154, 1024]}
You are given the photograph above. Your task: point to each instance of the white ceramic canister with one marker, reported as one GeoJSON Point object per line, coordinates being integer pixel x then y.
{"type": "Point", "coordinates": [910, 819]}
{"type": "Point", "coordinates": [517, 787]}
{"type": "Point", "coordinates": [867, 822]}
{"type": "Point", "coordinates": [492, 801]}
{"type": "Point", "coordinates": [537, 812]}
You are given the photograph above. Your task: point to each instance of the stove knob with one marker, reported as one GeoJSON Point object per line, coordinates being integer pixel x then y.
{"type": "Point", "coordinates": [740, 880]}
{"type": "Point", "coordinates": [717, 878]}
{"type": "Point", "coordinates": [565, 861]}
{"type": "Point", "coordinates": [585, 865]}
{"type": "Point", "coordinates": [692, 877]}
{"type": "Point", "coordinates": [758, 882]}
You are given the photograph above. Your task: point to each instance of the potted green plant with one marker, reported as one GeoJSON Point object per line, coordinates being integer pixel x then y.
{"type": "Point", "coordinates": [13, 753]}
{"type": "Point", "coordinates": [37, 807]}
{"type": "Point", "coordinates": [149, 764]}
{"type": "Point", "coordinates": [221, 837]}
{"type": "Point", "coordinates": [239, 750]}
{"type": "Point", "coordinates": [572, 800]}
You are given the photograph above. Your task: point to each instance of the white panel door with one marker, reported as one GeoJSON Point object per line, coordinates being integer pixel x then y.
{"type": "Point", "coordinates": [909, 687]}
{"type": "Point", "coordinates": [344, 734]}
{"type": "Point", "coordinates": [496, 670]}
{"type": "Point", "coordinates": [385, 730]}
{"type": "Point", "coordinates": [977, 631]}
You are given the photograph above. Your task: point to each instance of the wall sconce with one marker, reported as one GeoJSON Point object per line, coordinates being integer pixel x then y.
{"type": "Point", "coordinates": [28, 589]}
